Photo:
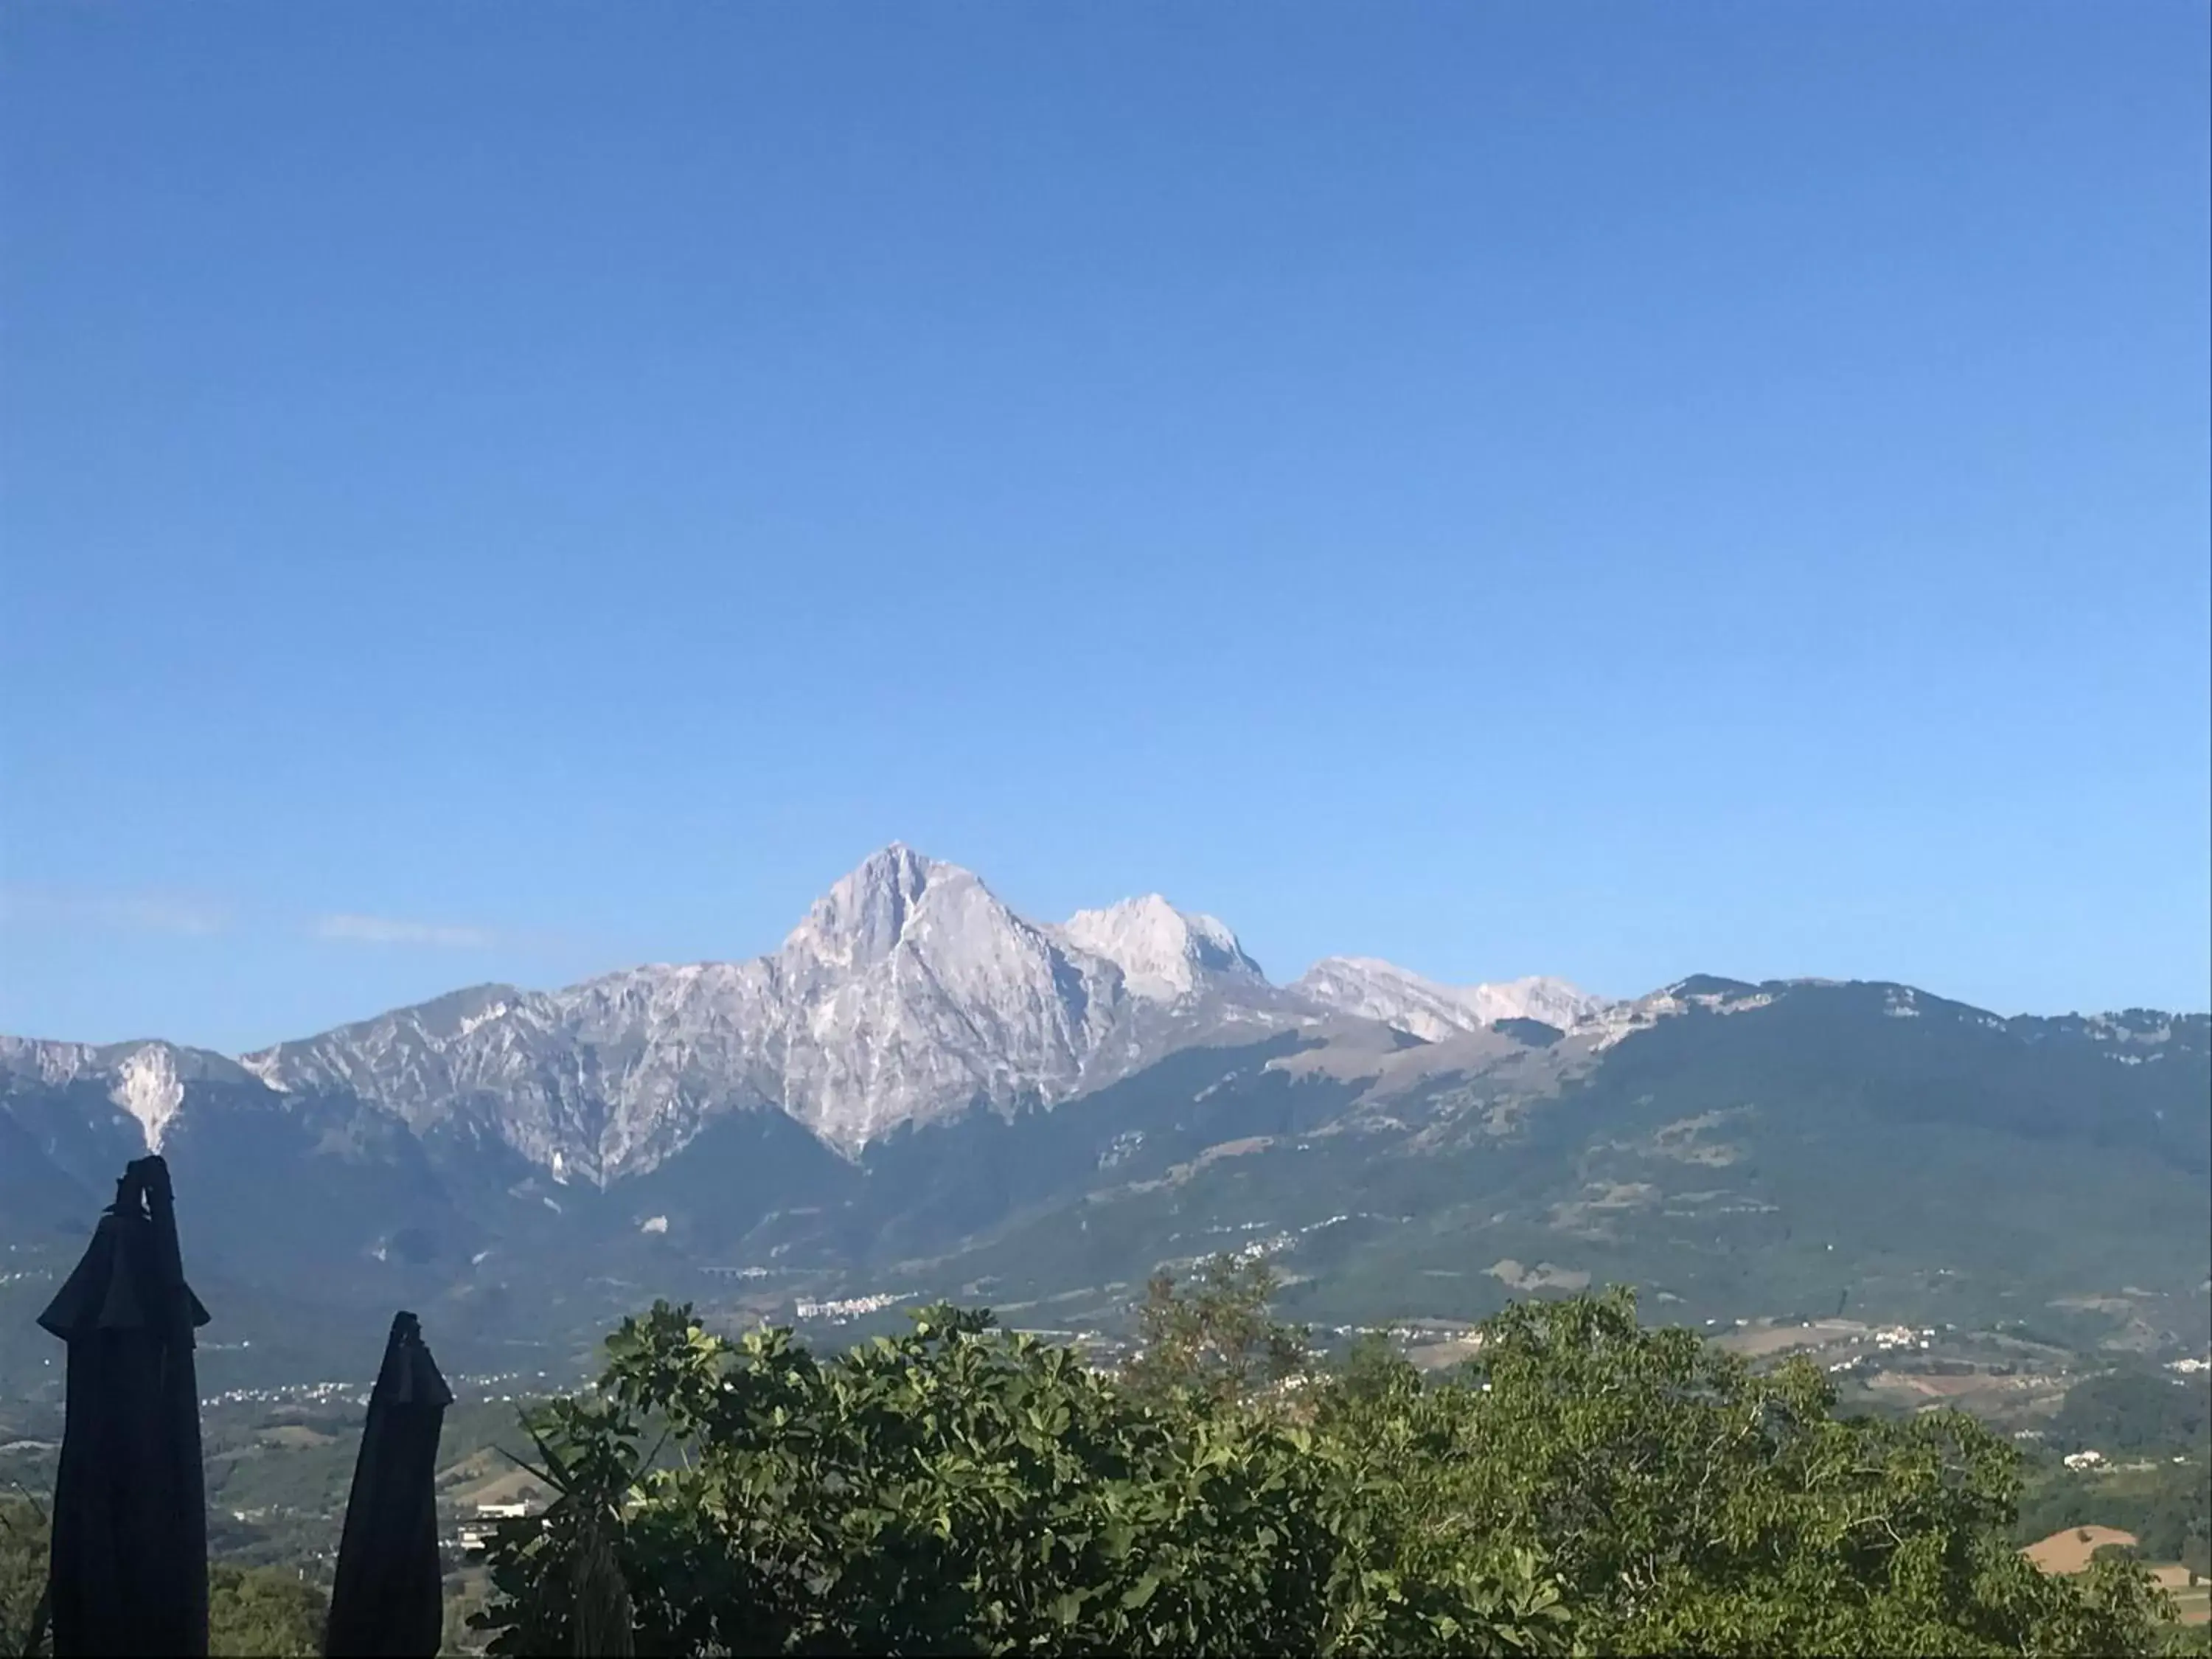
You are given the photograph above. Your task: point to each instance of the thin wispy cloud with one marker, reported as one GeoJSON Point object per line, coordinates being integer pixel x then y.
{"type": "Point", "coordinates": [138, 913]}
{"type": "Point", "coordinates": [389, 930]}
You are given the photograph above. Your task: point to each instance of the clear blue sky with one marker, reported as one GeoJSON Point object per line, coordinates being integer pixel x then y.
{"type": "Point", "coordinates": [1612, 491]}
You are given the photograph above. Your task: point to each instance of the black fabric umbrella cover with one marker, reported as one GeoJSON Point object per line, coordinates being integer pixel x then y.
{"type": "Point", "coordinates": [128, 1571]}
{"type": "Point", "coordinates": [388, 1595]}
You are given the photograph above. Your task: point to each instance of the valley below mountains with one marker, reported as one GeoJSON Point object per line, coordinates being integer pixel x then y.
{"type": "Point", "coordinates": [921, 1094]}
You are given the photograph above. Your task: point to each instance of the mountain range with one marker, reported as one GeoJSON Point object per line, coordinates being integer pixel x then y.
{"type": "Point", "coordinates": [920, 1088]}
{"type": "Point", "coordinates": [908, 994]}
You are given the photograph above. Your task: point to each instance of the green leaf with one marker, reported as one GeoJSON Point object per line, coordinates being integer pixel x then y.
{"type": "Point", "coordinates": [1140, 1592]}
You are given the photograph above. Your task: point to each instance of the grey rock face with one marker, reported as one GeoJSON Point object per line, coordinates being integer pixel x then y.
{"type": "Point", "coordinates": [909, 992]}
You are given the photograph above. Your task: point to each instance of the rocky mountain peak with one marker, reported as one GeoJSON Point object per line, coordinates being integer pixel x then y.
{"type": "Point", "coordinates": [1164, 954]}
{"type": "Point", "coordinates": [865, 915]}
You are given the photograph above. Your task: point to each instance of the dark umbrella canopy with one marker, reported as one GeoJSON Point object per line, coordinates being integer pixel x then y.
{"type": "Point", "coordinates": [128, 1573]}
{"type": "Point", "coordinates": [387, 1598]}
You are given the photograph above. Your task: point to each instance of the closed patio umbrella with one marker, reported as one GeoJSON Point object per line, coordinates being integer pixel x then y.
{"type": "Point", "coordinates": [128, 1571]}
{"type": "Point", "coordinates": [387, 1599]}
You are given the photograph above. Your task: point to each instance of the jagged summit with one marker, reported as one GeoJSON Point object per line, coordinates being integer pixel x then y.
{"type": "Point", "coordinates": [1164, 954]}
{"type": "Point", "coordinates": [907, 993]}
{"type": "Point", "coordinates": [865, 914]}
{"type": "Point", "coordinates": [911, 992]}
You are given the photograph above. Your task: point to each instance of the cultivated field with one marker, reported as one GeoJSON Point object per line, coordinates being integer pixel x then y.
{"type": "Point", "coordinates": [2069, 1552]}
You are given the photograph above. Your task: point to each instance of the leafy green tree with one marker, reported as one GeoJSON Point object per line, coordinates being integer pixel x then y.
{"type": "Point", "coordinates": [265, 1611]}
{"type": "Point", "coordinates": [1371, 1367]}
{"type": "Point", "coordinates": [1585, 1481]}
{"type": "Point", "coordinates": [1216, 1334]}
{"type": "Point", "coordinates": [958, 1490]}
{"type": "Point", "coordinates": [1693, 1506]}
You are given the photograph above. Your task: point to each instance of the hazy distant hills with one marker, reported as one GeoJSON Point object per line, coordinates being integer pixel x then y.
{"type": "Point", "coordinates": [922, 1092]}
